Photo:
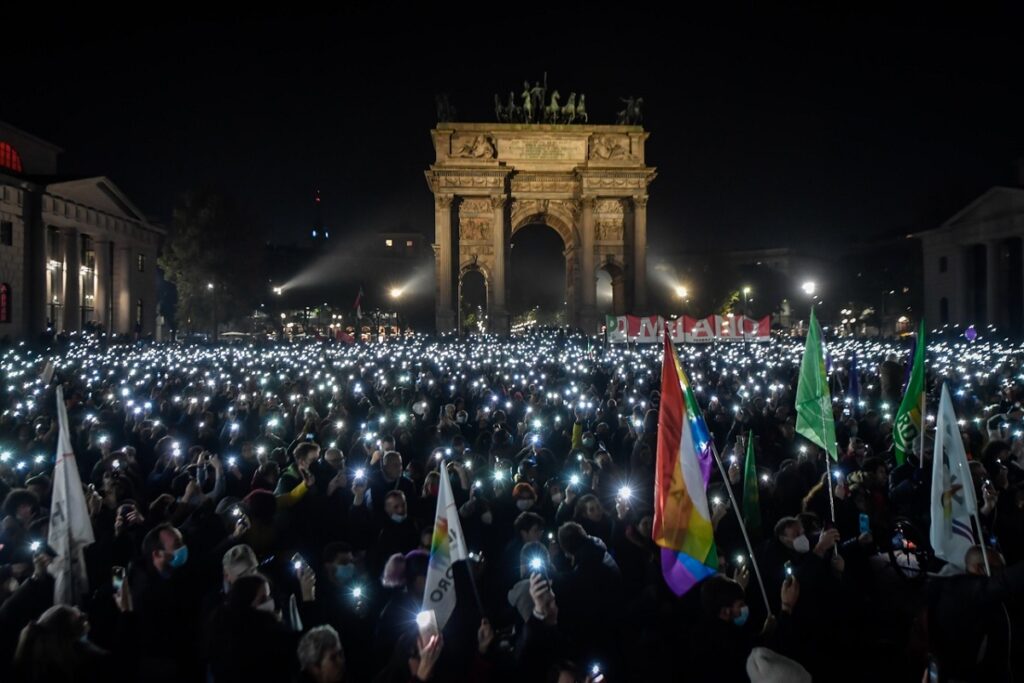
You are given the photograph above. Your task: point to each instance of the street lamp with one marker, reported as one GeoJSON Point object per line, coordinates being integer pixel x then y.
{"type": "Point", "coordinates": [746, 293]}
{"type": "Point", "coordinates": [277, 291]}
{"type": "Point", "coordinates": [809, 287]}
{"type": "Point", "coordinates": [683, 294]}
{"type": "Point", "coordinates": [210, 288]}
{"type": "Point", "coordinates": [396, 294]}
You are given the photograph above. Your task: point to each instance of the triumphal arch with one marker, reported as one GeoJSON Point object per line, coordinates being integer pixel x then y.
{"type": "Point", "coordinates": [587, 182]}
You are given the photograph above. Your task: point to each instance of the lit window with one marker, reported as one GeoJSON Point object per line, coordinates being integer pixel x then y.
{"type": "Point", "coordinates": [388, 243]}
{"type": "Point", "coordinates": [408, 243]}
{"type": "Point", "coordinates": [141, 263]}
{"type": "Point", "coordinates": [9, 157]}
{"type": "Point", "coordinates": [314, 233]}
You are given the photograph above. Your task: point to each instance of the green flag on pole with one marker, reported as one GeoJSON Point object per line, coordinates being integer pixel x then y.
{"type": "Point", "coordinates": [813, 402]}
{"type": "Point", "coordinates": [908, 417]}
{"type": "Point", "coordinates": [751, 494]}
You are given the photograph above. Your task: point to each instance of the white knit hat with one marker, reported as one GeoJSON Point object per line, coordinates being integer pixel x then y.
{"type": "Point", "coordinates": [766, 666]}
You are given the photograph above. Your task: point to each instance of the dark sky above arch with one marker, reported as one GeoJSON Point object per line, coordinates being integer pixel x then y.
{"type": "Point", "coordinates": [773, 129]}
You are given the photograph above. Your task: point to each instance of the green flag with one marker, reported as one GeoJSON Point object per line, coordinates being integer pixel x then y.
{"type": "Point", "coordinates": [751, 494]}
{"type": "Point", "coordinates": [908, 417]}
{"type": "Point", "coordinates": [813, 402]}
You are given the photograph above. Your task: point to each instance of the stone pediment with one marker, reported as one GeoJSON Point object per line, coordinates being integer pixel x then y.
{"type": "Point", "coordinates": [996, 204]}
{"type": "Point", "coordinates": [97, 193]}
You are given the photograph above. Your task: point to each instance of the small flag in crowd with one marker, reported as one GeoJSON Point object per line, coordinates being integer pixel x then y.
{"type": "Point", "coordinates": [47, 373]}
{"type": "Point", "coordinates": [751, 493]}
{"type": "Point", "coordinates": [358, 305]}
{"type": "Point", "coordinates": [813, 400]}
{"type": "Point", "coordinates": [908, 418]}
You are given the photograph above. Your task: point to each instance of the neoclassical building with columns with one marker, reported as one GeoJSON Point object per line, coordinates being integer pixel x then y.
{"type": "Point", "coordinates": [73, 252]}
{"type": "Point", "coordinates": [974, 264]}
{"type": "Point", "coordinates": [588, 183]}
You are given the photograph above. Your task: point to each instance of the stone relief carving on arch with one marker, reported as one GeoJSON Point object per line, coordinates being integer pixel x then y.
{"type": "Point", "coordinates": [609, 220]}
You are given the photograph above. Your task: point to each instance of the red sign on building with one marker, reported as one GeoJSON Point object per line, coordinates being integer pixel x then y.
{"type": "Point", "coordinates": [5, 302]}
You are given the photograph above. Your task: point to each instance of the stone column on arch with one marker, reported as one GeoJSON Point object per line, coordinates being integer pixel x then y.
{"type": "Point", "coordinates": [72, 280]}
{"type": "Point", "coordinates": [499, 310]}
{"type": "Point", "coordinates": [640, 254]}
{"type": "Point", "coordinates": [444, 314]}
{"type": "Point", "coordinates": [588, 278]}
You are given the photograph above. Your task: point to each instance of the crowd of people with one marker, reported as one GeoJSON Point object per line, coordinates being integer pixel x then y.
{"type": "Point", "coordinates": [266, 515]}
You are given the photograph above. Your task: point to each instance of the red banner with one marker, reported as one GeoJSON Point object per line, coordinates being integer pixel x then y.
{"type": "Point", "coordinates": [649, 329]}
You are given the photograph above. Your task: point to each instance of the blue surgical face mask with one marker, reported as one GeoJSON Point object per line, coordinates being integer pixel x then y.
{"type": "Point", "coordinates": [344, 572]}
{"type": "Point", "coordinates": [180, 557]}
{"type": "Point", "coordinates": [744, 615]}
{"type": "Point", "coordinates": [397, 519]}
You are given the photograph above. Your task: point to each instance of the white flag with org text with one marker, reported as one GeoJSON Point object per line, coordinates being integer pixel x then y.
{"type": "Point", "coordinates": [447, 547]}
{"type": "Point", "coordinates": [953, 499]}
{"type": "Point", "coordinates": [70, 526]}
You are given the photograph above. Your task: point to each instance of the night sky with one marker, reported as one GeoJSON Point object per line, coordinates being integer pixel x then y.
{"type": "Point", "coordinates": [772, 130]}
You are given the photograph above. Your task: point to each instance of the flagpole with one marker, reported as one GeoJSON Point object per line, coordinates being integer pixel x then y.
{"type": "Point", "coordinates": [743, 526]}
{"type": "Point", "coordinates": [828, 466]}
{"type": "Point", "coordinates": [920, 447]}
{"type": "Point", "coordinates": [981, 541]}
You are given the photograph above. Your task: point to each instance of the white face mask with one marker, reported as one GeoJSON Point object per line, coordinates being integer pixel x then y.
{"type": "Point", "coordinates": [801, 544]}
{"type": "Point", "coordinates": [557, 499]}
{"type": "Point", "coordinates": [487, 518]}
{"type": "Point", "coordinates": [524, 504]}
{"type": "Point", "coordinates": [269, 607]}
{"type": "Point", "coordinates": [397, 519]}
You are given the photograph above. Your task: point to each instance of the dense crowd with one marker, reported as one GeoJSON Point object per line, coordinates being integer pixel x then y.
{"type": "Point", "coordinates": [265, 514]}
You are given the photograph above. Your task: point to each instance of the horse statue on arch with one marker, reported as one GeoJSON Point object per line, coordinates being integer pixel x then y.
{"type": "Point", "coordinates": [569, 110]}
{"type": "Point", "coordinates": [581, 109]}
{"type": "Point", "coordinates": [552, 111]}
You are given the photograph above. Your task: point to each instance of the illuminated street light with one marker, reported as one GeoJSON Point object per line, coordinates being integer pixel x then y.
{"type": "Point", "coordinates": [681, 292]}
{"type": "Point", "coordinates": [746, 290]}
{"type": "Point", "coordinates": [809, 287]}
{"type": "Point", "coordinates": [396, 292]}
{"type": "Point", "coordinates": [209, 285]}
{"type": "Point", "coordinates": [277, 291]}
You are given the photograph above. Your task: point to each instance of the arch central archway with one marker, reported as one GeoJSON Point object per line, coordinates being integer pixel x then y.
{"type": "Point", "coordinates": [539, 275]}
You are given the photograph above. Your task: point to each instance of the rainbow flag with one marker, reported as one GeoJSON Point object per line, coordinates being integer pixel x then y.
{"type": "Point", "coordinates": [447, 546]}
{"type": "Point", "coordinates": [682, 522]}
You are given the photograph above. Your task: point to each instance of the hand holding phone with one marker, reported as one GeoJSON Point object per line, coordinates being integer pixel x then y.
{"type": "Point", "coordinates": [426, 622]}
{"type": "Point", "coordinates": [117, 578]}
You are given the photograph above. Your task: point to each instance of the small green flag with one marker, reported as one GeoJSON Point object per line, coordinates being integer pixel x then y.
{"type": "Point", "coordinates": [751, 493]}
{"type": "Point", "coordinates": [814, 418]}
{"type": "Point", "coordinates": [908, 417]}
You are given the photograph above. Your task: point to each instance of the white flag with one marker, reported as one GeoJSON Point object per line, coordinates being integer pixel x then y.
{"type": "Point", "coordinates": [70, 526]}
{"type": "Point", "coordinates": [47, 373]}
{"type": "Point", "coordinates": [953, 499]}
{"type": "Point", "coordinates": [447, 547]}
